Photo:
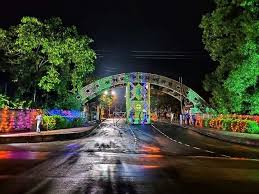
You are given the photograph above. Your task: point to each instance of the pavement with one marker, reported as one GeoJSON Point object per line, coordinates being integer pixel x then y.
{"type": "Point", "coordinates": [46, 136]}
{"type": "Point", "coordinates": [124, 159]}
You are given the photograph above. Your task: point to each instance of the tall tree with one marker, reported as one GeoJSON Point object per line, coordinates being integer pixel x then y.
{"type": "Point", "coordinates": [231, 36]}
{"type": "Point", "coordinates": [47, 58]}
{"type": "Point", "coordinates": [106, 100]}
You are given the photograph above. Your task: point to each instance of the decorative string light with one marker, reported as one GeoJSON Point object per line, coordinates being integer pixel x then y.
{"type": "Point", "coordinates": [12, 120]}
{"type": "Point", "coordinates": [4, 127]}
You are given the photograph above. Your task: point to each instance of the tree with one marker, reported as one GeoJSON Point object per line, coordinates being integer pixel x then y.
{"type": "Point", "coordinates": [230, 35]}
{"type": "Point", "coordinates": [47, 58]}
{"type": "Point", "coordinates": [106, 100]}
{"type": "Point", "coordinates": [5, 101]}
{"type": "Point", "coordinates": [163, 101]}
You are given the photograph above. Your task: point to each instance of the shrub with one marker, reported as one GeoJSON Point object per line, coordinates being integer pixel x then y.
{"type": "Point", "coordinates": [234, 123]}
{"type": "Point", "coordinates": [206, 122]}
{"type": "Point", "coordinates": [238, 125]}
{"type": "Point", "coordinates": [242, 125]}
{"type": "Point", "coordinates": [212, 123]}
{"type": "Point", "coordinates": [61, 122]}
{"type": "Point", "coordinates": [252, 127]}
{"type": "Point", "coordinates": [78, 122]}
{"type": "Point", "coordinates": [226, 124]}
{"type": "Point", "coordinates": [49, 122]}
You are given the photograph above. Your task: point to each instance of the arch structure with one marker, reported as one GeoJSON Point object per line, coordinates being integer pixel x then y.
{"type": "Point", "coordinates": [166, 85]}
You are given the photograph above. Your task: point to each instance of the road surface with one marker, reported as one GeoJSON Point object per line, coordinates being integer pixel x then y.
{"type": "Point", "coordinates": [125, 159]}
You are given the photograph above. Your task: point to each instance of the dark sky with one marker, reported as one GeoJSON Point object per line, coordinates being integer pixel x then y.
{"type": "Point", "coordinates": [160, 37]}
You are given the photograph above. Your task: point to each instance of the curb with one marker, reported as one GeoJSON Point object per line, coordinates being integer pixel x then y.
{"type": "Point", "coordinates": [222, 137]}
{"type": "Point", "coordinates": [227, 138]}
{"type": "Point", "coordinates": [46, 138]}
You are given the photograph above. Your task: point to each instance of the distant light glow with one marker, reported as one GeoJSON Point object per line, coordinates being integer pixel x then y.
{"type": "Point", "coordinates": [113, 92]}
{"type": "Point", "coordinates": [150, 166]}
{"type": "Point", "coordinates": [105, 92]}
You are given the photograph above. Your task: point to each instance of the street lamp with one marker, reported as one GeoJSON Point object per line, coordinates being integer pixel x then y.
{"type": "Point", "coordinates": [105, 92]}
{"type": "Point", "coordinates": [113, 92]}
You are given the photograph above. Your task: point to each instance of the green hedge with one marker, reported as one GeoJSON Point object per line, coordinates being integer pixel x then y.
{"type": "Point", "coordinates": [252, 127]}
{"type": "Point", "coordinates": [206, 122]}
{"type": "Point", "coordinates": [59, 122]}
{"type": "Point", "coordinates": [226, 124]}
{"type": "Point", "coordinates": [49, 122]}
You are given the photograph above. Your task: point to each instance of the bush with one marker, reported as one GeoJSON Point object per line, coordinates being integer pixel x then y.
{"type": "Point", "coordinates": [59, 122]}
{"type": "Point", "coordinates": [234, 123]}
{"type": "Point", "coordinates": [78, 122]}
{"type": "Point", "coordinates": [226, 124]}
{"type": "Point", "coordinates": [49, 122]}
{"type": "Point", "coordinates": [206, 122]}
{"type": "Point", "coordinates": [252, 127]}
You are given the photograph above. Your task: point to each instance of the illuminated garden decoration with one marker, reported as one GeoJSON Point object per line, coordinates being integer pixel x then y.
{"type": "Point", "coordinates": [4, 126]}
{"type": "Point", "coordinates": [68, 114]}
{"type": "Point", "coordinates": [21, 121]}
{"type": "Point", "coordinates": [233, 123]}
{"type": "Point", "coordinates": [12, 120]}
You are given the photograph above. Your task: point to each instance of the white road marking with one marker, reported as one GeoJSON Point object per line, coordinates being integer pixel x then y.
{"type": "Point", "coordinates": [209, 151]}
{"type": "Point", "coordinates": [188, 144]}
{"type": "Point", "coordinates": [225, 156]}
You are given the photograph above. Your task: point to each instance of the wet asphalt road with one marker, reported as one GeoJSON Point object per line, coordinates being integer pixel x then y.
{"type": "Point", "coordinates": [158, 158]}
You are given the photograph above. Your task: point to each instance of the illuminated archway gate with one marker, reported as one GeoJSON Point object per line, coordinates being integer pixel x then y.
{"type": "Point", "coordinates": [167, 85]}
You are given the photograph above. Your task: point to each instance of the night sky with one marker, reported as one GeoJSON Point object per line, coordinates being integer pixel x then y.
{"type": "Point", "coordinates": [160, 37]}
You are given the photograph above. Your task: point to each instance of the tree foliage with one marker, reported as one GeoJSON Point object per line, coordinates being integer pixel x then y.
{"type": "Point", "coordinates": [231, 36]}
{"type": "Point", "coordinates": [161, 101]}
{"type": "Point", "coordinates": [5, 101]}
{"type": "Point", "coordinates": [47, 58]}
{"type": "Point", "coordinates": [106, 100]}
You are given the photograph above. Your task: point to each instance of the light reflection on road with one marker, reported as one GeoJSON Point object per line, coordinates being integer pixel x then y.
{"type": "Point", "coordinates": [23, 155]}
{"type": "Point", "coordinates": [150, 149]}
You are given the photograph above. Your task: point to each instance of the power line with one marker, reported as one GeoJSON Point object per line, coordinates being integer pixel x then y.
{"type": "Point", "coordinates": [159, 58]}
{"type": "Point", "coordinates": [160, 51]}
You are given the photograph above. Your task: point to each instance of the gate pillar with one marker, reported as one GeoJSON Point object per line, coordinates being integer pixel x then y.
{"type": "Point", "coordinates": [138, 102]}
